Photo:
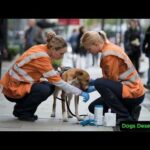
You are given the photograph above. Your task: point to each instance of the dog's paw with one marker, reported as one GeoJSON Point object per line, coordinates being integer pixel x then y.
{"type": "Point", "coordinates": [70, 116]}
{"type": "Point", "coordinates": [53, 115]}
{"type": "Point", "coordinates": [65, 119]}
{"type": "Point", "coordinates": [80, 118]}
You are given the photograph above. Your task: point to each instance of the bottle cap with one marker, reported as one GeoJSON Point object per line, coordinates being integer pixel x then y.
{"type": "Point", "coordinates": [109, 110]}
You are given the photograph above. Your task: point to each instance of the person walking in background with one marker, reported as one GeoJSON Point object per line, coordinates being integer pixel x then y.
{"type": "Point", "coordinates": [132, 43]}
{"type": "Point", "coordinates": [80, 51]}
{"type": "Point", "coordinates": [3, 50]}
{"type": "Point", "coordinates": [146, 50]}
{"type": "Point", "coordinates": [73, 42]}
{"type": "Point", "coordinates": [33, 35]}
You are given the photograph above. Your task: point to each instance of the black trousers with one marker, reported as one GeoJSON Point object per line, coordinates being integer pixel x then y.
{"type": "Point", "coordinates": [27, 105]}
{"type": "Point", "coordinates": [111, 97]}
{"type": "Point", "coordinates": [135, 60]}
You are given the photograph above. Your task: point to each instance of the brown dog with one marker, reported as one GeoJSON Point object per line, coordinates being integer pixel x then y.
{"type": "Point", "coordinates": [76, 77]}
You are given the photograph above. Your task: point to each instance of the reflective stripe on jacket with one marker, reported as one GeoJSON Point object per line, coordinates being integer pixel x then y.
{"type": "Point", "coordinates": [117, 66]}
{"type": "Point", "coordinates": [28, 69]}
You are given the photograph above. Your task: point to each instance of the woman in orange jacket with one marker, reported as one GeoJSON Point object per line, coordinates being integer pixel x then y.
{"type": "Point", "coordinates": [22, 85]}
{"type": "Point", "coordinates": [121, 88]}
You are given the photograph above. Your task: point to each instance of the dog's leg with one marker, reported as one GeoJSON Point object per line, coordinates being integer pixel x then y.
{"type": "Point", "coordinates": [55, 94]}
{"type": "Point", "coordinates": [64, 112]}
{"type": "Point", "coordinates": [69, 100]}
{"type": "Point", "coordinates": [76, 108]}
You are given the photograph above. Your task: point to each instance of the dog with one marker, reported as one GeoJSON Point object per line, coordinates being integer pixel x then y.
{"type": "Point", "coordinates": [78, 78]}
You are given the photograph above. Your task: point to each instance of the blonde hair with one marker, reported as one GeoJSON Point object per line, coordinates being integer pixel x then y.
{"type": "Point", "coordinates": [90, 37]}
{"type": "Point", "coordinates": [55, 41]}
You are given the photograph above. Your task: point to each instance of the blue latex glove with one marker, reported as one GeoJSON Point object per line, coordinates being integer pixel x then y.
{"type": "Point", "coordinates": [88, 122]}
{"type": "Point", "coordinates": [85, 96]}
{"type": "Point", "coordinates": [91, 82]}
{"type": "Point", "coordinates": [91, 89]}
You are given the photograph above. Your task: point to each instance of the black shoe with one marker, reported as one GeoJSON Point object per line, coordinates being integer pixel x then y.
{"type": "Point", "coordinates": [16, 114]}
{"type": "Point", "coordinates": [119, 120]}
{"type": "Point", "coordinates": [136, 113]}
{"type": "Point", "coordinates": [27, 118]}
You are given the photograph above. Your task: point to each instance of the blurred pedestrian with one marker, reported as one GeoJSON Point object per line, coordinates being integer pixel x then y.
{"type": "Point", "coordinates": [146, 50]}
{"type": "Point", "coordinates": [33, 35]}
{"type": "Point", "coordinates": [132, 42]}
{"type": "Point", "coordinates": [22, 84]}
{"type": "Point", "coordinates": [3, 50]}
{"type": "Point", "coordinates": [80, 51]}
{"type": "Point", "coordinates": [73, 42]}
{"type": "Point", "coordinates": [121, 88]}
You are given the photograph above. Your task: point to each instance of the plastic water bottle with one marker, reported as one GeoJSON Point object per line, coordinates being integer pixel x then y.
{"type": "Point", "coordinates": [98, 115]}
{"type": "Point", "coordinates": [110, 119]}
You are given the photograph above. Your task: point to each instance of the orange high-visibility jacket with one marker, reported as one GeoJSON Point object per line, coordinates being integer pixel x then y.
{"type": "Point", "coordinates": [28, 69]}
{"type": "Point", "coordinates": [117, 66]}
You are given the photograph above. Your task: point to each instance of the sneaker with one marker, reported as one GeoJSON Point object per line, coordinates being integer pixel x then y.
{"type": "Point", "coordinates": [136, 113]}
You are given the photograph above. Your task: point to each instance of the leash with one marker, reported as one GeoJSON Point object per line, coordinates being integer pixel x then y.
{"type": "Point", "coordinates": [61, 71]}
{"type": "Point", "coordinates": [69, 108]}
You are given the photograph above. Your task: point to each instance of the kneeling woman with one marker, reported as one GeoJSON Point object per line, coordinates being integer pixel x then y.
{"type": "Point", "coordinates": [120, 87]}
{"type": "Point", "coordinates": [22, 85]}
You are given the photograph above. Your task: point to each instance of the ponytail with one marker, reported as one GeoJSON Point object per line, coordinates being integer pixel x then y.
{"type": "Point", "coordinates": [103, 35]}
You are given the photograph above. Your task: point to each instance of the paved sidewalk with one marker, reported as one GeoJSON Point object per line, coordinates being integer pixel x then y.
{"type": "Point", "coordinates": [45, 123]}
